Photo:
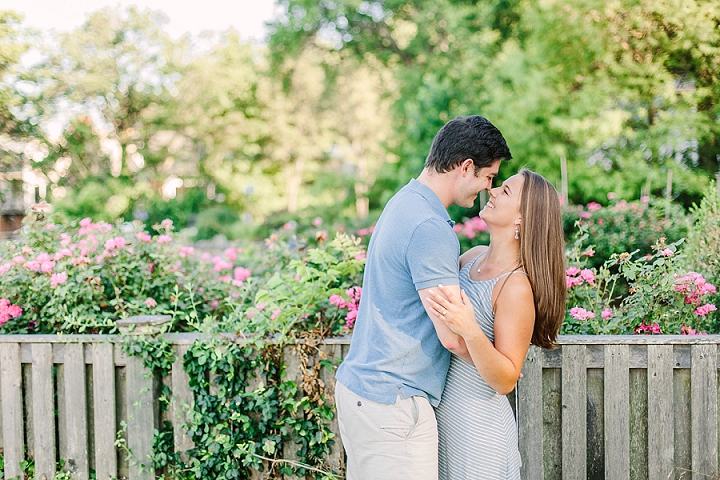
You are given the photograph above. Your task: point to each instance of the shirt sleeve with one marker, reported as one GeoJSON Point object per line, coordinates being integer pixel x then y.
{"type": "Point", "coordinates": [433, 255]}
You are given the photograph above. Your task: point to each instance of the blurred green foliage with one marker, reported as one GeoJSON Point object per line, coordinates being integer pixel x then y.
{"type": "Point", "coordinates": [117, 120]}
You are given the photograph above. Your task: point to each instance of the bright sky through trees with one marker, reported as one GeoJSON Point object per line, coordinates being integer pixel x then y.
{"type": "Point", "coordinates": [248, 17]}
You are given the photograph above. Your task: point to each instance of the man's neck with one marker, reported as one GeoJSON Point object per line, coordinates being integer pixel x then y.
{"type": "Point", "coordinates": [440, 183]}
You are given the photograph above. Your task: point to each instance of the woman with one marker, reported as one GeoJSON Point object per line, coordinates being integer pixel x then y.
{"type": "Point", "coordinates": [512, 295]}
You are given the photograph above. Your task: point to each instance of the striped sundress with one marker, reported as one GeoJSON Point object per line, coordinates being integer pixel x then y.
{"type": "Point", "coordinates": [477, 429]}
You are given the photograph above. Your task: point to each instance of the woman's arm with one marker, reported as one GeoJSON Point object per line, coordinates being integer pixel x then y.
{"type": "Point", "coordinates": [500, 363]}
{"type": "Point", "coordinates": [449, 339]}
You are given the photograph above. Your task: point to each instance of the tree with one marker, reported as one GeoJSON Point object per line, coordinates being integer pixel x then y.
{"type": "Point", "coordinates": [625, 90]}
{"type": "Point", "coordinates": [109, 84]}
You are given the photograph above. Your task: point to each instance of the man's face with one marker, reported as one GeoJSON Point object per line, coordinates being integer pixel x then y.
{"type": "Point", "coordinates": [475, 182]}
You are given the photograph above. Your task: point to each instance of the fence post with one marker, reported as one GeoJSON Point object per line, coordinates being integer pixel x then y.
{"type": "Point", "coordinates": [574, 412]}
{"type": "Point", "coordinates": [43, 410]}
{"type": "Point", "coordinates": [703, 408]}
{"type": "Point", "coordinates": [12, 411]}
{"type": "Point", "coordinates": [661, 432]}
{"type": "Point", "coordinates": [141, 418]}
{"type": "Point", "coordinates": [105, 408]}
{"type": "Point", "coordinates": [617, 412]}
{"type": "Point", "coordinates": [530, 416]}
{"type": "Point", "coordinates": [76, 411]}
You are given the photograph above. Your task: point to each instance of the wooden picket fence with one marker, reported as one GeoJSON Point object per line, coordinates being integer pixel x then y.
{"type": "Point", "coordinates": [612, 407]}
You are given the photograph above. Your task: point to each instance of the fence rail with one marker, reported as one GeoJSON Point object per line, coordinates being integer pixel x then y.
{"type": "Point", "coordinates": [612, 407]}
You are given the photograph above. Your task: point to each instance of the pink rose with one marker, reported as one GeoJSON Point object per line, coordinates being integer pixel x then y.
{"type": "Point", "coordinates": [337, 300]}
{"type": "Point", "coordinates": [607, 313]}
{"type": "Point", "coordinates": [58, 279]}
{"type": "Point", "coordinates": [14, 311]}
{"type": "Point", "coordinates": [580, 313]}
{"type": "Point", "coordinates": [354, 293]}
{"type": "Point", "coordinates": [150, 302]}
{"type": "Point", "coordinates": [587, 275]}
{"type": "Point", "coordinates": [705, 309]}
{"type": "Point", "coordinates": [350, 318]}
{"type": "Point", "coordinates": [164, 238]}
{"type": "Point", "coordinates": [275, 314]}
{"type": "Point", "coordinates": [46, 267]}
{"type": "Point", "coordinates": [143, 236]}
{"type": "Point", "coordinates": [241, 273]}
{"type": "Point", "coordinates": [222, 265]}
{"type": "Point", "coordinates": [572, 271]}
{"type": "Point", "coordinates": [33, 265]}
{"type": "Point", "coordinates": [667, 253]}
{"type": "Point", "coordinates": [231, 254]}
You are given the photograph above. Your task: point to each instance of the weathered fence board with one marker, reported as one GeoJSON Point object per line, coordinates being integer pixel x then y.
{"type": "Point", "coordinates": [617, 414]}
{"type": "Point", "coordinates": [574, 414]}
{"type": "Point", "coordinates": [12, 412]}
{"type": "Point", "coordinates": [76, 412]}
{"type": "Point", "coordinates": [336, 459]}
{"type": "Point", "coordinates": [105, 426]}
{"type": "Point", "coordinates": [638, 424]}
{"type": "Point", "coordinates": [530, 416]}
{"type": "Point", "coordinates": [140, 419]}
{"type": "Point", "coordinates": [682, 440]}
{"type": "Point", "coordinates": [596, 407]}
{"type": "Point", "coordinates": [43, 411]}
{"type": "Point", "coordinates": [293, 373]}
{"type": "Point", "coordinates": [182, 401]}
{"type": "Point", "coordinates": [661, 431]}
{"type": "Point", "coordinates": [703, 407]}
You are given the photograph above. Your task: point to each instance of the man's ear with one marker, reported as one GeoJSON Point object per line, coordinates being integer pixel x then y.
{"type": "Point", "coordinates": [467, 166]}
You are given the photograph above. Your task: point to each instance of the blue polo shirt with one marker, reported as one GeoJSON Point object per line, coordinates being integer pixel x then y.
{"type": "Point", "coordinates": [394, 346]}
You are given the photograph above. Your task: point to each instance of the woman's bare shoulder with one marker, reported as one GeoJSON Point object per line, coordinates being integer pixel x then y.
{"type": "Point", "coordinates": [472, 253]}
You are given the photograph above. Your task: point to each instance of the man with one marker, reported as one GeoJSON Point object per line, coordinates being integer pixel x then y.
{"type": "Point", "coordinates": [395, 370]}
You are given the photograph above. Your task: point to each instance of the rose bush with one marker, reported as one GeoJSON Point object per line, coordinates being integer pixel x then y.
{"type": "Point", "coordinates": [663, 297]}
{"type": "Point", "coordinates": [80, 277]}
{"type": "Point", "coordinates": [624, 226]}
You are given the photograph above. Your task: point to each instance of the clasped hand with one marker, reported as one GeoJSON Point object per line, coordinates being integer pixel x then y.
{"type": "Point", "coordinates": [456, 312]}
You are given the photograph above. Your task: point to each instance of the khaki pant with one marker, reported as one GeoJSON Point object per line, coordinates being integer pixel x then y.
{"type": "Point", "coordinates": [387, 442]}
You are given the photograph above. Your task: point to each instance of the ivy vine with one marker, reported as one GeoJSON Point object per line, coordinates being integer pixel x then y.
{"type": "Point", "coordinates": [251, 411]}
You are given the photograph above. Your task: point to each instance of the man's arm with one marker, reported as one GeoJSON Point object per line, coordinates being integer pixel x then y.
{"type": "Point", "coordinates": [450, 340]}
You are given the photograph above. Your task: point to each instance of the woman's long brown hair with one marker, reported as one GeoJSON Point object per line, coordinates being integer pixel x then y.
{"type": "Point", "coordinates": [542, 253]}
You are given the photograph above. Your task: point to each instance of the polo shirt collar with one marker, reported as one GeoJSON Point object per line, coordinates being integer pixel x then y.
{"type": "Point", "coordinates": [432, 198]}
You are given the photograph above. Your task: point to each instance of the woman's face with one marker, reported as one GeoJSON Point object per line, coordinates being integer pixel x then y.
{"type": "Point", "coordinates": [503, 207]}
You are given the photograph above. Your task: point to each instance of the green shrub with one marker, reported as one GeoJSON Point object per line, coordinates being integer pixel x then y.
{"type": "Point", "coordinates": [625, 226]}
{"type": "Point", "coordinates": [702, 248]}
{"type": "Point", "coordinates": [663, 297]}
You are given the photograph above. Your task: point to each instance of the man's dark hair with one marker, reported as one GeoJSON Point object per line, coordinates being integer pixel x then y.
{"type": "Point", "coordinates": [461, 138]}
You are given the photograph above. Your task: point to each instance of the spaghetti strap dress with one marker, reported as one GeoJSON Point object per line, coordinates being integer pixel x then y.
{"type": "Point", "coordinates": [477, 429]}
